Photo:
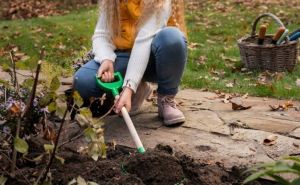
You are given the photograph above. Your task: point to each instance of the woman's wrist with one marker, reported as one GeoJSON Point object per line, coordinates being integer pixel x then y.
{"type": "Point", "coordinates": [128, 90]}
{"type": "Point", "coordinates": [106, 60]}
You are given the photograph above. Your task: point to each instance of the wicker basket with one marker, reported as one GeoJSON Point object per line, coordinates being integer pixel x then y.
{"type": "Point", "coordinates": [276, 58]}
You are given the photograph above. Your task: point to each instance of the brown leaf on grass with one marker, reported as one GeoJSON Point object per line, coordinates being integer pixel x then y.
{"type": "Point", "coordinates": [49, 35]}
{"type": "Point", "coordinates": [287, 87]}
{"type": "Point", "coordinates": [201, 60]}
{"type": "Point", "coordinates": [270, 140]}
{"type": "Point", "coordinates": [267, 78]}
{"type": "Point", "coordinates": [19, 56]}
{"type": "Point", "coordinates": [237, 104]}
{"type": "Point", "coordinates": [264, 79]}
{"type": "Point", "coordinates": [37, 30]}
{"type": "Point", "coordinates": [228, 59]}
{"type": "Point", "coordinates": [193, 45]}
{"type": "Point", "coordinates": [229, 85]}
{"type": "Point", "coordinates": [219, 73]}
{"type": "Point", "coordinates": [20, 9]}
{"type": "Point", "coordinates": [2, 52]}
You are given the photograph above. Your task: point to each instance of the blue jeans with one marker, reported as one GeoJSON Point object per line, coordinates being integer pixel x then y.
{"type": "Point", "coordinates": [166, 65]}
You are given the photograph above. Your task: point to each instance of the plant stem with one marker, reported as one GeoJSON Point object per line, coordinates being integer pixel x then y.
{"type": "Point", "coordinates": [46, 170]}
{"type": "Point", "coordinates": [15, 81]}
{"type": "Point", "coordinates": [24, 113]}
{"type": "Point", "coordinates": [71, 139]}
{"type": "Point", "coordinates": [14, 155]}
{"type": "Point", "coordinates": [16, 85]}
{"type": "Point", "coordinates": [33, 91]}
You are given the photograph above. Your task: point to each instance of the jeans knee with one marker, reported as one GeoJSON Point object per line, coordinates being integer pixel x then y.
{"type": "Point", "coordinates": [171, 38]}
{"type": "Point", "coordinates": [78, 80]}
{"type": "Point", "coordinates": [83, 82]}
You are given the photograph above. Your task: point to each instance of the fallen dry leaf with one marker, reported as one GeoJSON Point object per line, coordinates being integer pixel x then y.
{"type": "Point", "coordinates": [201, 60]}
{"type": "Point", "coordinates": [282, 107]}
{"type": "Point", "coordinates": [225, 97]}
{"type": "Point", "coordinates": [229, 85]}
{"type": "Point", "coordinates": [228, 59]}
{"type": "Point", "coordinates": [19, 56]}
{"type": "Point", "coordinates": [270, 140]}
{"type": "Point", "coordinates": [49, 134]}
{"type": "Point", "coordinates": [237, 104]}
{"type": "Point", "coordinates": [15, 109]}
{"type": "Point", "coordinates": [49, 35]}
{"type": "Point", "coordinates": [193, 45]}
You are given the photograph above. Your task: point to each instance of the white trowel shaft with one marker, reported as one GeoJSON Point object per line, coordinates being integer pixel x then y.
{"type": "Point", "coordinates": [132, 129]}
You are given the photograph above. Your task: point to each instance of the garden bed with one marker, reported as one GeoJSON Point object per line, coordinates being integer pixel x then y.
{"type": "Point", "coordinates": [160, 166]}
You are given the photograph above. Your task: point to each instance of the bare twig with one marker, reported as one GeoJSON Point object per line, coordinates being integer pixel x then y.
{"type": "Point", "coordinates": [33, 91]}
{"type": "Point", "coordinates": [45, 171]}
{"type": "Point", "coordinates": [15, 81]}
{"type": "Point", "coordinates": [14, 155]}
{"type": "Point", "coordinates": [30, 76]}
{"type": "Point", "coordinates": [71, 139]}
{"type": "Point", "coordinates": [24, 113]}
{"type": "Point", "coordinates": [107, 113]}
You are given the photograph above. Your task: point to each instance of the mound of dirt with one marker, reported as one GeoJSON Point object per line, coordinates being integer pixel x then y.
{"type": "Point", "coordinates": [156, 168]}
{"type": "Point", "coordinates": [125, 167]}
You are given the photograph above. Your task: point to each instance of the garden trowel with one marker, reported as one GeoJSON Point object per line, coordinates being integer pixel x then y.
{"type": "Point", "coordinates": [114, 88]}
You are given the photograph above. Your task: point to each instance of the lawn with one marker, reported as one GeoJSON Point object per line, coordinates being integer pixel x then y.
{"type": "Point", "coordinates": [213, 64]}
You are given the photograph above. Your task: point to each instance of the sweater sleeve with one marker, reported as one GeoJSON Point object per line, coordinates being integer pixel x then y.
{"type": "Point", "coordinates": [141, 50]}
{"type": "Point", "coordinates": [103, 48]}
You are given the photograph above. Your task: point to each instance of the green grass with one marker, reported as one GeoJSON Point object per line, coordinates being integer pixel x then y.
{"type": "Point", "coordinates": [215, 33]}
{"type": "Point", "coordinates": [63, 37]}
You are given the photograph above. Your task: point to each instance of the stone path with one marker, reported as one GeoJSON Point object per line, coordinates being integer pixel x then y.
{"type": "Point", "coordinates": [213, 131]}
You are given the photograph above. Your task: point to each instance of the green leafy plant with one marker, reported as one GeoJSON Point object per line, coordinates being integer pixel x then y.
{"type": "Point", "coordinates": [93, 133]}
{"type": "Point", "coordinates": [290, 165]}
{"type": "Point", "coordinates": [25, 110]}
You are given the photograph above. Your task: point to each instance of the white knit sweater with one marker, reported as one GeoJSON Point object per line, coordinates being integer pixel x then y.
{"type": "Point", "coordinates": [103, 48]}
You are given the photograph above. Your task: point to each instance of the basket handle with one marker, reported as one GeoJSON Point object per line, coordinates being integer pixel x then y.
{"type": "Point", "coordinates": [276, 19]}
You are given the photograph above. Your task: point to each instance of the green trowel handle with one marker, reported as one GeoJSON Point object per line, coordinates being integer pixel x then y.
{"type": "Point", "coordinates": [112, 87]}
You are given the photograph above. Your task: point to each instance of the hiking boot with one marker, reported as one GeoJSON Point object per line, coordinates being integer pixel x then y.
{"type": "Point", "coordinates": [143, 91]}
{"type": "Point", "coordinates": [168, 110]}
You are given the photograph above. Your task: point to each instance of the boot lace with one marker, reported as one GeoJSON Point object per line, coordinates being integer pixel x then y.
{"type": "Point", "coordinates": [169, 100]}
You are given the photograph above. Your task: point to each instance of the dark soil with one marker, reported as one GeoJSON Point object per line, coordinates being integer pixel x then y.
{"type": "Point", "coordinates": [125, 167]}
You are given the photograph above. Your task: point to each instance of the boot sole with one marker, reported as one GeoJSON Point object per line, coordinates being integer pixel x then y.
{"type": "Point", "coordinates": [174, 121]}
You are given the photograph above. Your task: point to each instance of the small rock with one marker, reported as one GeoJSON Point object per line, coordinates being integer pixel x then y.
{"type": "Point", "coordinates": [270, 140]}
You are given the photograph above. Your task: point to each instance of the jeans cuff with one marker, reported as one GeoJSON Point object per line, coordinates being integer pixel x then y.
{"type": "Point", "coordinates": [163, 91]}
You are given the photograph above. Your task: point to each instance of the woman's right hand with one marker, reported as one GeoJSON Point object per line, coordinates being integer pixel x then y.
{"type": "Point", "coordinates": [106, 71]}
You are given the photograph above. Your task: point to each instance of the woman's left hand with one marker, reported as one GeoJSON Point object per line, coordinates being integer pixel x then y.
{"type": "Point", "coordinates": [124, 100]}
